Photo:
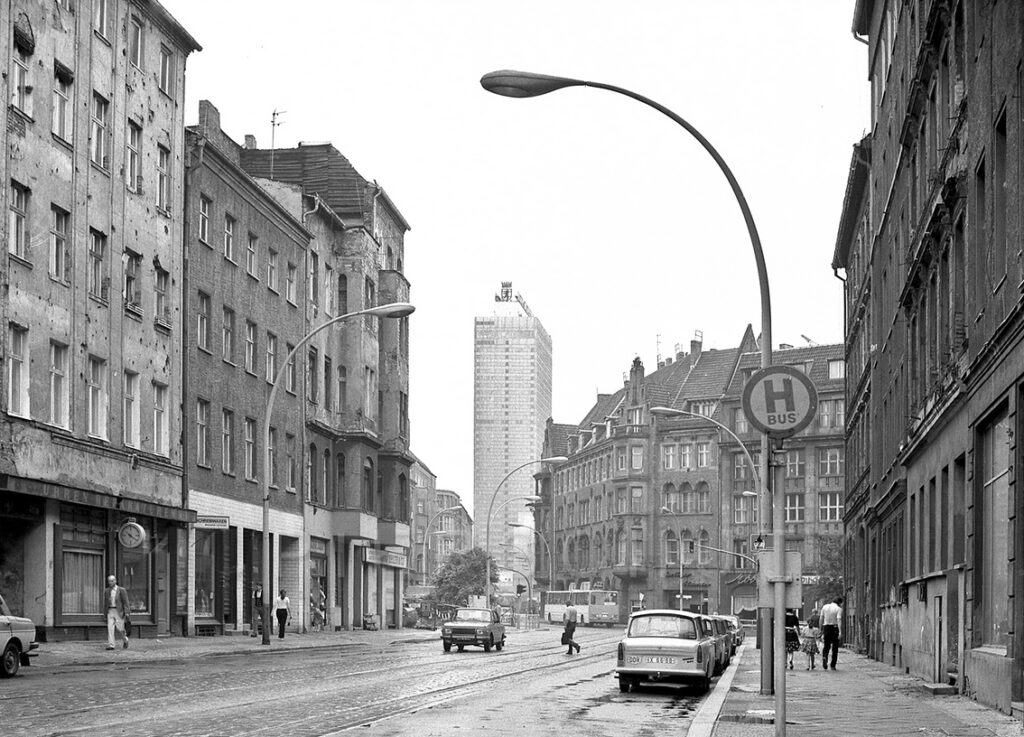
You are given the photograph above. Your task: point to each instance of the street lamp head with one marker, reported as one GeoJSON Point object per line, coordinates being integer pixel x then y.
{"type": "Point", "coordinates": [666, 411]}
{"type": "Point", "coordinates": [510, 83]}
{"type": "Point", "coordinates": [750, 493]}
{"type": "Point", "coordinates": [393, 310]}
{"type": "Point", "coordinates": [554, 460]}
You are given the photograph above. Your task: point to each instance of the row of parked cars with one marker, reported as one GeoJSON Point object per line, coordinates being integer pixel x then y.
{"type": "Point", "coordinates": [669, 645]}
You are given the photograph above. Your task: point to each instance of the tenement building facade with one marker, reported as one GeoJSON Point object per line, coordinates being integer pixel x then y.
{"type": "Point", "coordinates": [91, 477]}
{"type": "Point", "coordinates": [661, 505]}
{"type": "Point", "coordinates": [930, 242]}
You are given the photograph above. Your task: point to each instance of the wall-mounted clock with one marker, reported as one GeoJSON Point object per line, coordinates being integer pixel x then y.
{"type": "Point", "coordinates": [131, 534]}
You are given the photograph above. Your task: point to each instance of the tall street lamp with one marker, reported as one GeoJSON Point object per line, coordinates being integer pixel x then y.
{"type": "Point", "coordinates": [666, 510]}
{"type": "Point", "coordinates": [426, 538]}
{"type": "Point", "coordinates": [554, 460]}
{"type": "Point", "coordinates": [510, 83]}
{"type": "Point", "coordinates": [547, 552]}
{"type": "Point", "coordinates": [393, 310]}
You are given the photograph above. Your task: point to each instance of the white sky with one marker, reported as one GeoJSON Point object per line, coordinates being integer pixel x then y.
{"type": "Point", "coordinates": [614, 224]}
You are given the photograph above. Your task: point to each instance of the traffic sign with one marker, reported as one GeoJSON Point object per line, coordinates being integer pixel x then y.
{"type": "Point", "coordinates": [780, 401]}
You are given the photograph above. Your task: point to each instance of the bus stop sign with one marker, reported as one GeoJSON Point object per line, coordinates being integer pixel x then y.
{"type": "Point", "coordinates": [780, 401]}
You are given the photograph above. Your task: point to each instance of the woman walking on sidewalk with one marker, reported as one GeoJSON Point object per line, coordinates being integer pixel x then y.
{"type": "Point", "coordinates": [283, 609]}
{"type": "Point", "coordinates": [792, 634]}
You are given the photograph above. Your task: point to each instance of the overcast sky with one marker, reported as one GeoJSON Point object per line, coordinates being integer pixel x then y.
{"type": "Point", "coordinates": [614, 224]}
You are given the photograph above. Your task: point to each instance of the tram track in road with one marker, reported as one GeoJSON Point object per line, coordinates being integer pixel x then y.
{"type": "Point", "coordinates": [451, 676]}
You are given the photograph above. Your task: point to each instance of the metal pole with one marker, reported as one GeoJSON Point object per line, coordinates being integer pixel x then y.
{"type": "Point", "coordinates": [487, 538]}
{"type": "Point", "coordinates": [778, 540]}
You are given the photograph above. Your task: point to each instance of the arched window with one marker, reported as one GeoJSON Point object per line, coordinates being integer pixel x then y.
{"type": "Point", "coordinates": [671, 548]}
{"type": "Point", "coordinates": [671, 498]}
{"type": "Point", "coordinates": [367, 485]}
{"type": "Point", "coordinates": [339, 481]}
{"type": "Point", "coordinates": [584, 553]}
{"type": "Point", "coordinates": [391, 259]}
{"type": "Point", "coordinates": [598, 550]}
{"type": "Point", "coordinates": [703, 498]}
{"type": "Point", "coordinates": [689, 499]}
{"type": "Point", "coordinates": [325, 475]}
{"type": "Point", "coordinates": [687, 548]}
{"type": "Point", "coordinates": [570, 551]}
{"type": "Point", "coordinates": [703, 553]}
{"type": "Point", "coordinates": [559, 519]}
{"type": "Point", "coordinates": [620, 548]}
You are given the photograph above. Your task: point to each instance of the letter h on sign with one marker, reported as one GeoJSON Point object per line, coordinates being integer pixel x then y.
{"type": "Point", "coordinates": [786, 395]}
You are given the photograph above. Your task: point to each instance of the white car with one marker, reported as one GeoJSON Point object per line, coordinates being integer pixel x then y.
{"type": "Point", "coordinates": [17, 641]}
{"type": "Point", "coordinates": [666, 645]}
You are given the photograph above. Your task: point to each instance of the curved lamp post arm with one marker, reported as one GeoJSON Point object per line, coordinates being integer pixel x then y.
{"type": "Point", "coordinates": [670, 411]}
{"type": "Point", "coordinates": [547, 551]}
{"type": "Point", "coordinates": [394, 310]}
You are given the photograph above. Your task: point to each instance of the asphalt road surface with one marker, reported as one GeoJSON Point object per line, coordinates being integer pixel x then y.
{"type": "Point", "coordinates": [414, 689]}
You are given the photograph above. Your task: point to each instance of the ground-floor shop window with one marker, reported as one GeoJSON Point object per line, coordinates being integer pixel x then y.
{"type": "Point", "coordinates": [205, 572]}
{"type": "Point", "coordinates": [83, 559]}
{"type": "Point", "coordinates": [135, 573]}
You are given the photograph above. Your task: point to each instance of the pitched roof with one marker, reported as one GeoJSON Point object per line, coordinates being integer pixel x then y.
{"type": "Point", "coordinates": [817, 357]}
{"type": "Point", "coordinates": [557, 440]}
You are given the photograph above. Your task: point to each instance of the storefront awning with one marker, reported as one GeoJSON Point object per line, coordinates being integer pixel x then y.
{"type": "Point", "coordinates": [95, 499]}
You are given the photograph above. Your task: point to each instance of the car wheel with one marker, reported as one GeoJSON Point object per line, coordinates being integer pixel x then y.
{"type": "Point", "coordinates": [487, 645]}
{"type": "Point", "coordinates": [461, 647]}
{"type": "Point", "coordinates": [623, 684]}
{"type": "Point", "coordinates": [11, 660]}
{"type": "Point", "coordinates": [447, 647]}
{"type": "Point", "coordinates": [499, 645]}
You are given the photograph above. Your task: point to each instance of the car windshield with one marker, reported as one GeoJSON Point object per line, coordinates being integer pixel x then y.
{"type": "Point", "coordinates": [3, 607]}
{"type": "Point", "coordinates": [473, 615]}
{"type": "Point", "coordinates": [663, 626]}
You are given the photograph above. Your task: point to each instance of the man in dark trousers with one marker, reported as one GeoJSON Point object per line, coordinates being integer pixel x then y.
{"type": "Point", "coordinates": [831, 616]}
{"type": "Point", "coordinates": [257, 609]}
{"type": "Point", "coordinates": [570, 628]}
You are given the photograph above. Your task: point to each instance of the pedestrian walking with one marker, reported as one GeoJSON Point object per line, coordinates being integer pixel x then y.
{"type": "Point", "coordinates": [831, 616]}
{"type": "Point", "coordinates": [809, 643]}
{"type": "Point", "coordinates": [792, 634]}
{"type": "Point", "coordinates": [118, 612]}
{"type": "Point", "coordinates": [283, 608]}
{"type": "Point", "coordinates": [569, 618]}
{"type": "Point", "coordinates": [258, 613]}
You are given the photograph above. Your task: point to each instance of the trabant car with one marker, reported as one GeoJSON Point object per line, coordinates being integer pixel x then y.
{"type": "Point", "coordinates": [716, 629]}
{"type": "Point", "coordinates": [665, 645]}
{"type": "Point", "coordinates": [472, 626]}
{"type": "Point", "coordinates": [730, 632]}
{"type": "Point", "coordinates": [17, 640]}
{"type": "Point", "coordinates": [736, 625]}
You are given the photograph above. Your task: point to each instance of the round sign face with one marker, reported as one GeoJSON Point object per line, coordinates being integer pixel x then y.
{"type": "Point", "coordinates": [131, 534]}
{"type": "Point", "coordinates": [780, 401]}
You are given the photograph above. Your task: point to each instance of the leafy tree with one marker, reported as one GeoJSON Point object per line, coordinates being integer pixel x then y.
{"type": "Point", "coordinates": [461, 576]}
{"type": "Point", "coordinates": [829, 570]}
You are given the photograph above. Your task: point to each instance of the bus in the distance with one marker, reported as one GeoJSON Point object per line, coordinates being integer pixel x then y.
{"type": "Point", "coordinates": [593, 606]}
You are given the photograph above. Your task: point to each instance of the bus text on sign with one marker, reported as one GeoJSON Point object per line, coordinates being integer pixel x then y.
{"type": "Point", "coordinates": [780, 401]}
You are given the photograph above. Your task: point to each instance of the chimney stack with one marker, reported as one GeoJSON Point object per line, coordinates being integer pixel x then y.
{"type": "Point", "coordinates": [250, 141]}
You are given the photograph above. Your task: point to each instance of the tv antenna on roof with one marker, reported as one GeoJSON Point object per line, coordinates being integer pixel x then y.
{"type": "Point", "coordinates": [273, 127]}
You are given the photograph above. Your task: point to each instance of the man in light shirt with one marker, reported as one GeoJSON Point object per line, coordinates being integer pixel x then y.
{"type": "Point", "coordinates": [831, 616]}
{"type": "Point", "coordinates": [118, 610]}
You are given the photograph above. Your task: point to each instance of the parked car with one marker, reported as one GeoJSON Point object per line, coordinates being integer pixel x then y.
{"type": "Point", "coordinates": [17, 641]}
{"type": "Point", "coordinates": [472, 626]}
{"type": "Point", "coordinates": [665, 645]}
{"type": "Point", "coordinates": [721, 639]}
{"type": "Point", "coordinates": [730, 633]}
{"type": "Point", "coordinates": [738, 631]}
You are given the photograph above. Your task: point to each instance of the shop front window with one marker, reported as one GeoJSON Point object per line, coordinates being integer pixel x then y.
{"type": "Point", "coordinates": [83, 559]}
{"type": "Point", "coordinates": [134, 572]}
{"type": "Point", "coordinates": [205, 573]}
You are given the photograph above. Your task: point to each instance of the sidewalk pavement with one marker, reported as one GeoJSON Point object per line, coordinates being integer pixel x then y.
{"type": "Point", "coordinates": [861, 697]}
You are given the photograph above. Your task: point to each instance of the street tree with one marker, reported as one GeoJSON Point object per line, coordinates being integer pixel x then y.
{"type": "Point", "coordinates": [462, 576]}
{"type": "Point", "coordinates": [829, 571]}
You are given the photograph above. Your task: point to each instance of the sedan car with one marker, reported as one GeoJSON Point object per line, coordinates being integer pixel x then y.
{"type": "Point", "coordinates": [721, 640]}
{"type": "Point", "coordinates": [472, 626]}
{"type": "Point", "coordinates": [17, 640]}
{"type": "Point", "coordinates": [665, 645]}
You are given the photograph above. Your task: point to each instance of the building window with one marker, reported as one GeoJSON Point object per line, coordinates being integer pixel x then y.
{"type": "Point", "coordinates": [685, 456]}
{"type": "Point", "coordinates": [702, 455]}
{"type": "Point", "coordinates": [130, 409]}
{"type": "Point", "coordinates": [135, 38]}
{"type": "Point", "coordinates": [161, 282]}
{"type": "Point", "coordinates": [795, 465]}
{"type": "Point", "coordinates": [166, 70]}
{"type": "Point", "coordinates": [668, 456]}
{"type": "Point", "coordinates": [289, 287]}
{"type": "Point", "coordinates": [830, 507]}
{"type": "Point", "coordinates": [100, 17]}
{"type": "Point", "coordinates": [795, 507]}
{"type": "Point", "coordinates": [204, 219]}
{"type": "Point", "coordinates": [289, 370]}
{"type": "Point", "coordinates": [740, 423]}
{"type": "Point", "coordinates": [21, 85]}
{"type": "Point", "coordinates": [342, 388]}
{"type": "Point", "coordinates": [369, 393]}
{"type": "Point", "coordinates": [133, 166]}
{"type": "Point", "coordinates": [289, 449]}
{"type": "Point", "coordinates": [62, 122]}
{"type": "Point", "coordinates": [203, 322]}
{"type": "Point", "coordinates": [17, 371]}
{"type": "Point", "coordinates": [744, 509]}
{"type": "Point", "coordinates": [161, 429]}
{"type": "Point", "coordinates": [60, 257]}
{"type": "Point", "coordinates": [314, 278]}
{"type": "Point", "coordinates": [163, 178]}
{"type": "Point", "coordinates": [17, 221]}
{"type": "Point", "coordinates": [202, 432]}
{"type": "Point", "coordinates": [328, 375]}
{"type": "Point", "coordinates": [328, 290]}
{"type": "Point", "coordinates": [96, 380]}
{"type": "Point", "coordinates": [830, 461]}
{"type": "Point", "coordinates": [342, 294]}
{"type": "Point", "coordinates": [272, 455]}
{"type": "Point", "coordinates": [836, 369]}
{"type": "Point", "coordinates": [250, 449]}
{"type": "Point", "coordinates": [250, 347]}
{"type": "Point", "coordinates": [271, 372]}
{"type": "Point", "coordinates": [132, 283]}
{"type": "Point", "coordinates": [98, 143]}
{"type": "Point", "coordinates": [636, 499]}
{"type": "Point", "coordinates": [58, 385]}
{"type": "Point", "coordinates": [228, 335]}
{"type": "Point", "coordinates": [227, 441]}
{"type": "Point", "coordinates": [636, 457]}
{"type": "Point", "coordinates": [229, 238]}
{"type": "Point", "coordinates": [995, 567]}
{"type": "Point", "coordinates": [97, 256]}
{"type": "Point", "coordinates": [250, 255]}
{"type": "Point", "coordinates": [272, 269]}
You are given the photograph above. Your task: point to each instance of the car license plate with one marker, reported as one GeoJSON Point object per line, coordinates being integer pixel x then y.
{"type": "Point", "coordinates": [651, 660]}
